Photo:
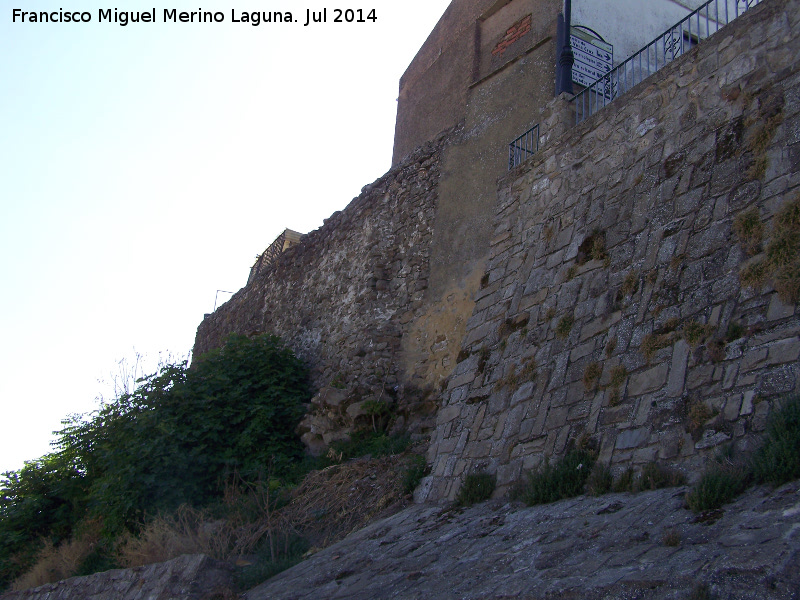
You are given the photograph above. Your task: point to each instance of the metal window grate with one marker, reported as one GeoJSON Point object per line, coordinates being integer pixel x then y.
{"type": "Point", "coordinates": [678, 39]}
{"type": "Point", "coordinates": [523, 147]}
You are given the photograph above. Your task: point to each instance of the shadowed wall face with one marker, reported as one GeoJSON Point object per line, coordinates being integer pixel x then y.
{"type": "Point", "coordinates": [472, 39]}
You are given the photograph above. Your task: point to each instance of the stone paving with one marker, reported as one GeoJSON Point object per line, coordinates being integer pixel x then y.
{"type": "Point", "coordinates": [618, 546]}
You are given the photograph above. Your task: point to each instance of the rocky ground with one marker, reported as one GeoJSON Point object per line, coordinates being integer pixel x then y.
{"type": "Point", "coordinates": [613, 547]}
{"type": "Point", "coordinates": [618, 546]}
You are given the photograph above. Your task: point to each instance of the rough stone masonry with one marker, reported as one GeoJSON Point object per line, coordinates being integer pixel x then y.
{"type": "Point", "coordinates": [345, 299]}
{"type": "Point", "coordinates": [616, 308]}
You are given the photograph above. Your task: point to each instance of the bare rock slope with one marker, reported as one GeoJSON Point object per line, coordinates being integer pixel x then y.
{"type": "Point", "coordinates": [619, 546]}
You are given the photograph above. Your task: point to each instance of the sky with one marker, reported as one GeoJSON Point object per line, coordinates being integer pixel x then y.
{"type": "Point", "coordinates": [144, 167]}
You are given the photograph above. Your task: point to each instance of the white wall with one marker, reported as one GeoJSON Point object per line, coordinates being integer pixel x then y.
{"type": "Point", "coordinates": [629, 25]}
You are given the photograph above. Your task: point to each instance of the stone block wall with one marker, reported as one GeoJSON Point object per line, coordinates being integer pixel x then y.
{"type": "Point", "coordinates": [345, 295]}
{"type": "Point", "coordinates": [612, 310]}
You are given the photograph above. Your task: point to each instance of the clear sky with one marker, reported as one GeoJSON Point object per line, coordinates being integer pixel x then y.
{"type": "Point", "coordinates": [144, 167]}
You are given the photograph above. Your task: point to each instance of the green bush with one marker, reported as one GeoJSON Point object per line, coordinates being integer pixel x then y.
{"type": "Point", "coordinates": [600, 480]}
{"type": "Point", "coordinates": [565, 479]}
{"type": "Point", "coordinates": [265, 566]}
{"type": "Point", "coordinates": [182, 431]}
{"type": "Point", "coordinates": [414, 471]}
{"type": "Point", "coordinates": [778, 460]}
{"type": "Point", "coordinates": [373, 443]}
{"type": "Point", "coordinates": [477, 487]}
{"type": "Point", "coordinates": [173, 440]}
{"type": "Point", "coordinates": [718, 485]}
{"type": "Point", "coordinates": [44, 500]}
{"type": "Point", "coordinates": [655, 476]}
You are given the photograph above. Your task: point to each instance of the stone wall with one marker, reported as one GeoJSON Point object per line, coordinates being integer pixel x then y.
{"type": "Point", "coordinates": [345, 297]}
{"type": "Point", "coordinates": [612, 310]}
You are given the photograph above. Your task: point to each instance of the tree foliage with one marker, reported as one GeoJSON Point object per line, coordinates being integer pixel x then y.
{"type": "Point", "coordinates": [170, 441]}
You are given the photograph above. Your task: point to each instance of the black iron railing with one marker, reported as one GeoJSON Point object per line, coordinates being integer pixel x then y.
{"type": "Point", "coordinates": [524, 146]}
{"type": "Point", "coordinates": [678, 39]}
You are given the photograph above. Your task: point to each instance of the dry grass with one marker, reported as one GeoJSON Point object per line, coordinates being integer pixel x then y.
{"type": "Point", "coordinates": [696, 333]}
{"type": "Point", "coordinates": [787, 282]}
{"type": "Point", "coordinates": [699, 413]}
{"type": "Point", "coordinates": [749, 229]}
{"type": "Point", "coordinates": [529, 369]}
{"type": "Point", "coordinates": [653, 342]}
{"type": "Point", "coordinates": [759, 142]}
{"type": "Point", "coordinates": [754, 275]}
{"type": "Point", "coordinates": [598, 249]}
{"type": "Point", "coordinates": [167, 537]}
{"type": "Point", "coordinates": [618, 376]}
{"type": "Point", "coordinates": [331, 503]}
{"type": "Point", "coordinates": [781, 263]}
{"type": "Point", "coordinates": [511, 379]}
{"type": "Point", "coordinates": [571, 272]}
{"type": "Point", "coordinates": [592, 375]}
{"type": "Point", "coordinates": [716, 350]}
{"type": "Point", "coordinates": [55, 563]}
{"type": "Point", "coordinates": [630, 285]}
{"type": "Point", "coordinates": [676, 262]}
{"type": "Point", "coordinates": [328, 505]}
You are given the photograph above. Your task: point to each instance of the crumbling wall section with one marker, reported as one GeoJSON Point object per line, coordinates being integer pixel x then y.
{"type": "Point", "coordinates": [628, 302]}
{"type": "Point", "coordinates": [344, 296]}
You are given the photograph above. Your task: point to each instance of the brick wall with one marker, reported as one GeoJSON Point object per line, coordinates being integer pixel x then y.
{"type": "Point", "coordinates": [514, 34]}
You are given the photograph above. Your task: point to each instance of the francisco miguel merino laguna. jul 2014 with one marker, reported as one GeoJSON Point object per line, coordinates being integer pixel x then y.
{"type": "Point", "coordinates": [254, 18]}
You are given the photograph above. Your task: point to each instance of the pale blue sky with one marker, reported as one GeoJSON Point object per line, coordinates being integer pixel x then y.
{"type": "Point", "coordinates": [144, 167]}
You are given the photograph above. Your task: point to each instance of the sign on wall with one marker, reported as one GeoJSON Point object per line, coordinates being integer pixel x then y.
{"type": "Point", "coordinates": [593, 59]}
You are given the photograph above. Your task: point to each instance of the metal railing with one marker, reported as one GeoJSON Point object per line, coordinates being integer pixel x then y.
{"type": "Point", "coordinates": [678, 39]}
{"type": "Point", "coordinates": [523, 147]}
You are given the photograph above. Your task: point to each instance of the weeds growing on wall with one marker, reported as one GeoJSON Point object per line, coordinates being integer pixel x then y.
{"type": "Point", "coordinates": [563, 479]}
{"type": "Point", "coordinates": [591, 375]}
{"type": "Point", "coordinates": [780, 262]}
{"type": "Point", "coordinates": [775, 462]}
{"type": "Point", "coordinates": [415, 470]}
{"type": "Point", "coordinates": [721, 483]}
{"type": "Point", "coordinates": [778, 460]}
{"type": "Point", "coordinates": [671, 538]}
{"type": "Point", "coordinates": [600, 480]}
{"type": "Point", "coordinates": [750, 230]}
{"type": "Point", "coordinates": [477, 487]}
{"type": "Point", "coordinates": [375, 444]}
{"type": "Point", "coordinates": [653, 342]}
{"type": "Point", "coordinates": [653, 476]}
{"type": "Point", "coordinates": [701, 591]}
{"type": "Point", "coordinates": [565, 326]}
